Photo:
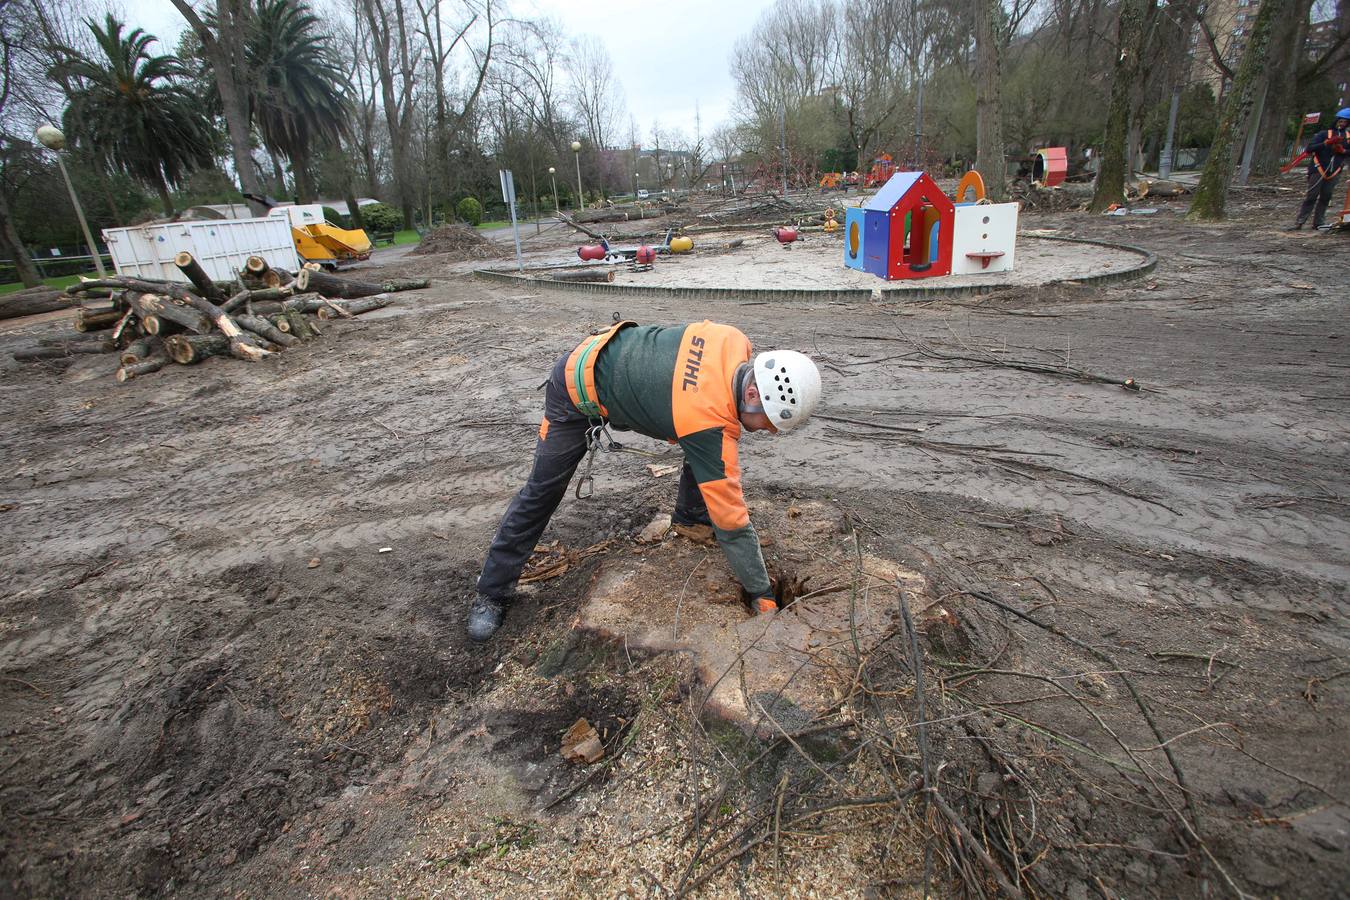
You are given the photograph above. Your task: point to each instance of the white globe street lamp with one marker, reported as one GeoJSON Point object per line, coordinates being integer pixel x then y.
{"type": "Point", "coordinates": [51, 137]}
{"type": "Point", "coordinates": [576, 154]}
{"type": "Point", "coordinates": [553, 178]}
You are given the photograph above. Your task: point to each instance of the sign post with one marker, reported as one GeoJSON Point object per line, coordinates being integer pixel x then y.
{"type": "Point", "coordinates": [509, 198]}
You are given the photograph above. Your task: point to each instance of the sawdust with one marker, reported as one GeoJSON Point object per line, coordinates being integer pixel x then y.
{"type": "Point", "coordinates": [458, 242]}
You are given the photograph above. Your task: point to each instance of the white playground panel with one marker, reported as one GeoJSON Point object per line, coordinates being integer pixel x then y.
{"type": "Point", "coordinates": [984, 232]}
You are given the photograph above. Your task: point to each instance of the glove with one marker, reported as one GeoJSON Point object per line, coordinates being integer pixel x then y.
{"type": "Point", "coordinates": [765, 605]}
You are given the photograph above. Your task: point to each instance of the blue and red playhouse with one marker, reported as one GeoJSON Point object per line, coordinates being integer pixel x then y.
{"type": "Point", "coordinates": [904, 231]}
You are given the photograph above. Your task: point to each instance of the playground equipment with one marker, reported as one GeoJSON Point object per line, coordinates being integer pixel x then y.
{"type": "Point", "coordinates": [883, 167]}
{"type": "Point", "coordinates": [673, 243]}
{"type": "Point", "coordinates": [910, 229]}
{"type": "Point", "coordinates": [831, 224]}
{"type": "Point", "coordinates": [1050, 167]}
{"type": "Point", "coordinates": [644, 255]}
{"type": "Point", "coordinates": [785, 234]}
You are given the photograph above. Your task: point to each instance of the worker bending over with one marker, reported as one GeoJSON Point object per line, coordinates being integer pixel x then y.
{"type": "Point", "coordinates": [691, 384]}
{"type": "Point", "coordinates": [1327, 152]}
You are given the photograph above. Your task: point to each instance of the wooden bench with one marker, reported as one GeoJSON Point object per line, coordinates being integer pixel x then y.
{"type": "Point", "coordinates": [382, 237]}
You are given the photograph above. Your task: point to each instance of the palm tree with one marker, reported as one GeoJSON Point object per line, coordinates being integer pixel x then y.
{"type": "Point", "coordinates": [300, 95]}
{"type": "Point", "coordinates": [129, 109]}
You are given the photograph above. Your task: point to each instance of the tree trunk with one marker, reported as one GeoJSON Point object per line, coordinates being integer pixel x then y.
{"type": "Point", "coordinates": [583, 275]}
{"type": "Point", "coordinates": [162, 188]}
{"type": "Point", "coordinates": [1286, 50]}
{"type": "Point", "coordinates": [1110, 186]}
{"type": "Point", "coordinates": [333, 286]}
{"type": "Point", "coordinates": [224, 50]}
{"type": "Point", "coordinates": [989, 161]}
{"type": "Point", "coordinates": [96, 320]}
{"type": "Point", "coordinates": [1211, 193]}
{"type": "Point", "coordinates": [353, 208]}
{"type": "Point", "coordinates": [71, 349]}
{"type": "Point", "coordinates": [10, 241]}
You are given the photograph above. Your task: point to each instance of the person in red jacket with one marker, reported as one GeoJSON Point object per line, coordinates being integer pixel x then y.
{"type": "Point", "coordinates": [697, 385]}
{"type": "Point", "coordinates": [1327, 153]}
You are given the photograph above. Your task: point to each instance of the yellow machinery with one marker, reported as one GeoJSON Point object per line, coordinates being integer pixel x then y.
{"type": "Point", "coordinates": [319, 241]}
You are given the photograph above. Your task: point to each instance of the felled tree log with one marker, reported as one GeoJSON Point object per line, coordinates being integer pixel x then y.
{"type": "Point", "coordinates": [1161, 189]}
{"type": "Point", "coordinates": [140, 350]}
{"type": "Point", "coordinates": [584, 275]}
{"type": "Point", "coordinates": [304, 303]}
{"type": "Point", "coordinates": [144, 367]}
{"type": "Point", "coordinates": [354, 307]}
{"type": "Point", "coordinates": [238, 299]}
{"type": "Point", "coordinates": [197, 275]}
{"type": "Point", "coordinates": [265, 329]}
{"type": "Point", "coordinates": [33, 301]}
{"type": "Point", "coordinates": [299, 325]}
{"type": "Point", "coordinates": [67, 338]}
{"type": "Point", "coordinates": [154, 310]}
{"type": "Point", "coordinates": [186, 349]}
{"type": "Point", "coordinates": [333, 286]}
{"type": "Point", "coordinates": [96, 320]}
{"type": "Point", "coordinates": [242, 344]}
{"type": "Point", "coordinates": [71, 349]}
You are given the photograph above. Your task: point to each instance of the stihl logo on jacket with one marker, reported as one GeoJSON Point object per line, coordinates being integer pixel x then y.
{"type": "Point", "coordinates": [692, 363]}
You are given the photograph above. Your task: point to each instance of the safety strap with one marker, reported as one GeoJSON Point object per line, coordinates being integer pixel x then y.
{"type": "Point", "coordinates": [580, 372]}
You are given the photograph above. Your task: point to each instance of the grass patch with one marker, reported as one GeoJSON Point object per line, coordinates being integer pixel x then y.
{"type": "Point", "coordinates": [489, 226]}
{"type": "Point", "coordinates": [63, 281]}
{"type": "Point", "coordinates": [406, 236]}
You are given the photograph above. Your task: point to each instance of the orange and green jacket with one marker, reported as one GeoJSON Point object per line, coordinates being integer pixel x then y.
{"type": "Point", "coordinates": [676, 384]}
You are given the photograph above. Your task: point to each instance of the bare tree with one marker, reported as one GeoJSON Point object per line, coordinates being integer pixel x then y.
{"type": "Point", "coordinates": [396, 52]}
{"type": "Point", "coordinates": [594, 92]}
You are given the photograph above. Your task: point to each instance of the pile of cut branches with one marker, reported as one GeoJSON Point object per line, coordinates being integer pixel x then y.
{"type": "Point", "coordinates": [151, 322]}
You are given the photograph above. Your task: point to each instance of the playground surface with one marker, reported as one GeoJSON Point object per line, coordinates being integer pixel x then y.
{"type": "Point", "coordinates": [232, 648]}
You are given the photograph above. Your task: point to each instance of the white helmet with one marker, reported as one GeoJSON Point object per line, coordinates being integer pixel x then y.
{"type": "Point", "coordinates": [789, 387]}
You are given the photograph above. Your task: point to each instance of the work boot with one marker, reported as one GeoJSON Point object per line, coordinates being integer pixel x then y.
{"type": "Point", "coordinates": [485, 617]}
{"type": "Point", "coordinates": [699, 534]}
{"type": "Point", "coordinates": [1297, 226]}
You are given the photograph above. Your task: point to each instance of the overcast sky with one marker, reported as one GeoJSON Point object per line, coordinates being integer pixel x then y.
{"type": "Point", "coordinates": [669, 57]}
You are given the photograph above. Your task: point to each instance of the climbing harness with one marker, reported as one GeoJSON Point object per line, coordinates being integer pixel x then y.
{"type": "Point", "coordinates": [580, 376]}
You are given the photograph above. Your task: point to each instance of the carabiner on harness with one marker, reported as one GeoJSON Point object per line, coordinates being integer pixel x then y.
{"type": "Point", "coordinates": [597, 438]}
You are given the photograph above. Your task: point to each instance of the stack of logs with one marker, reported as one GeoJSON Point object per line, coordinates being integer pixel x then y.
{"type": "Point", "coordinates": [153, 322]}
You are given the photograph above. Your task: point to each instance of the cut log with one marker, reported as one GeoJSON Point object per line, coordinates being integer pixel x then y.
{"type": "Point", "coordinates": [197, 275]}
{"type": "Point", "coordinates": [300, 327]}
{"type": "Point", "coordinates": [280, 322]}
{"type": "Point", "coordinates": [68, 338]}
{"type": "Point", "coordinates": [155, 309]}
{"type": "Point", "coordinates": [1161, 189]}
{"type": "Point", "coordinates": [257, 266]}
{"type": "Point", "coordinates": [186, 349]}
{"type": "Point", "coordinates": [334, 287]}
{"type": "Point", "coordinates": [276, 293]}
{"type": "Point", "coordinates": [304, 302]}
{"type": "Point", "coordinates": [34, 301]}
{"type": "Point", "coordinates": [71, 349]}
{"type": "Point", "coordinates": [605, 275]}
{"type": "Point", "coordinates": [354, 307]}
{"type": "Point", "coordinates": [140, 350]}
{"type": "Point", "coordinates": [144, 367]}
{"type": "Point", "coordinates": [238, 299]}
{"type": "Point", "coordinates": [96, 321]}
{"type": "Point", "coordinates": [242, 344]}
{"type": "Point", "coordinates": [265, 329]}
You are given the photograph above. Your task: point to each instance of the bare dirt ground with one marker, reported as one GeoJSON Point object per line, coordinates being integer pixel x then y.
{"type": "Point", "coordinates": [213, 683]}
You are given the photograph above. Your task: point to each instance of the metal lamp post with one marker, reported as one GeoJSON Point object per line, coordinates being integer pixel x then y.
{"type": "Point", "coordinates": [553, 178]}
{"type": "Point", "coordinates": [51, 137]}
{"type": "Point", "coordinates": [576, 154]}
